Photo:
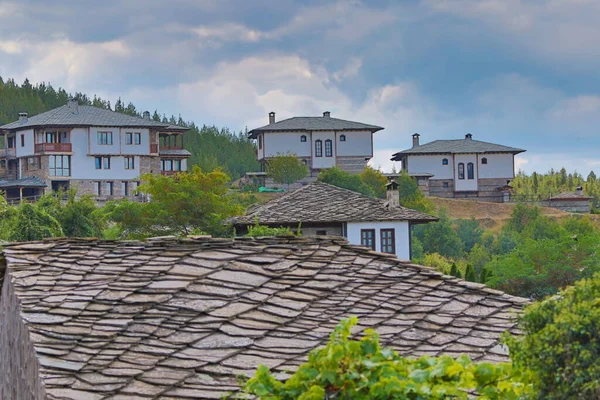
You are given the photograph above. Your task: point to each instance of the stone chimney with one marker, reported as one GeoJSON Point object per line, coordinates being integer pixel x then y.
{"type": "Point", "coordinates": [416, 140]}
{"type": "Point", "coordinates": [326, 114]}
{"type": "Point", "coordinates": [468, 136]}
{"type": "Point", "coordinates": [73, 105]}
{"type": "Point", "coordinates": [580, 190]}
{"type": "Point", "coordinates": [146, 115]}
{"type": "Point", "coordinates": [393, 194]}
{"type": "Point", "coordinates": [271, 117]}
{"type": "Point", "coordinates": [23, 116]}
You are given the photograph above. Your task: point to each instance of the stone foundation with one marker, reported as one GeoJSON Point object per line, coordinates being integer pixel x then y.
{"type": "Point", "coordinates": [354, 165]}
{"type": "Point", "coordinates": [487, 190]}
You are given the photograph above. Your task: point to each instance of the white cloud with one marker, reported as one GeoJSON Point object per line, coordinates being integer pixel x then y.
{"type": "Point", "coordinates": [350, 70]}
{"type": "Point", "coordinates": [576, 107]}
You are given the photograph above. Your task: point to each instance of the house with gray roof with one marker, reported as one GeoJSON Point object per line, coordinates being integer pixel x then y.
{"type": "Point", "coordinates": [183, 319]}
{"type": "Point", "coordinates": [461, 168]}
{"type": "Point", "coordinates": [320, 142]}
{"type": "Point", "coordinates": [99, 152]}
{"type": "Point", "coordinates": [322, 209]}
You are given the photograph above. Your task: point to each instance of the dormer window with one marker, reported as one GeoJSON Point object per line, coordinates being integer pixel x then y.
{"type": "Point", "coordinates": [445, 161]}
{"type": "Point", "coordinates": [484, 160]}
{"type": "Point", "coordinates": [342, 138]}
{"type": "Point", "coordinates": [303, 138]}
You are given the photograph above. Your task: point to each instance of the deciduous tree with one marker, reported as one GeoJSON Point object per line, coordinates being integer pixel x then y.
{"type": "Point", "coordinates": [286, 168]}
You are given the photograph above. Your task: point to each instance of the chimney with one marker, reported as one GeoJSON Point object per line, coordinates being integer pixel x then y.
{"type": "Point", "coordinates": [22, 116]}
{"type": "Point", "coordinates": [326, 114]}
{"type": "Point", "coordinates": [468, 136]}
{"type": "Point", "coordinates": [580, 190]}
{"type": "Point", "coordinates": [416, 140]}
{"type": "Point", "coordinates": [146, 115]}
{"type": "Point", "coordinates": [393, 194]}
{"type": "Point", "coordinates": [73, 105]}
{"type": "Point", "coordinates": [271, 117]}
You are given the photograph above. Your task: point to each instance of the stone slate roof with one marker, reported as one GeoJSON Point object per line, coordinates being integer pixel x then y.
{"type": "Point", "coordinates": [574, 196]}
{"type": "Point", "coordinates": [181, 319]}
{"type": "Point", "coordinates": [30, 181]}
{"type": "Point", "coordinates": [464, 146]}
{"type": "Point", "coordinates": [83, 116]}
{"type": "Point", "coordinates": [314, 124]}
{"type": "Point", "coordinates": [320, 202]}
{"type": "Point", "coordinates": [174, 152]}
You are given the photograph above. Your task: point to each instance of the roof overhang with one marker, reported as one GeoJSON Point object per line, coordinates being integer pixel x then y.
{"type": "Point", "coordinates": [253, 134]}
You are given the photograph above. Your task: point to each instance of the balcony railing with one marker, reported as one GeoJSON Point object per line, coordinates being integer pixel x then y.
{"type": "Point", "coordinates": [53, 147]}
{"type": "Point", "coordinates": [153, 148]}
{"type": "Point", "coordinates": [9, 152]}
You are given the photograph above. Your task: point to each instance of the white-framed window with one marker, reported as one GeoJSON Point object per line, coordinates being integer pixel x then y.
{"type": "Point", "coordinates": [129, 138]}
{"type": "Point", "coordinates": [105, 138]}
{"type": "Point", "coordinates": [170, 165]}
{"type": "Point", "coordinates": [130, 162]}
{"type": "Point", "coordinates": [102, 162]}
{"type": "Point", "coordinates": [125, 188]}
{"type": "Point", "coordinates": [109, 188]}
{"type": "Point", "coordinates": [59, 165]}
{"type": "Point", "coordinates": [137, 138]}
{"type": "Point", "coordinates": [98, 188]}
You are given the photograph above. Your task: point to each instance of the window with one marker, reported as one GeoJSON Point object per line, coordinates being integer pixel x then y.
{"type": "Point", "coordinates": [177, 165]}
{"type": "Point", "coordinates": [129, 138]}
{"type": "Point", "coordinates": [461, 171]}
{"type": "Point", "coordinates": [33, 163]}
{"type": "Point", "coordinates": [137, 138]}
{"type": "Point", "coordinates": [318, 148]}
{"type": "Point", "coordinates": [470, 171]}
{"type": "Point", "coordinates": [445, 161]}
{"type": "Point", "coordinates": [167, 165]}
{"type": "Point", "coordinates": [484, 160]}
{"type": "Point", "coordinates": [328, 148]}
{"type": "Point", "coordinates": [59, 165]}
{"type": "Point", "coordinates": [102, 162]}
{"type": "Point", "coordinates": [98, 188]}
{"type": "Point", "coordinates": [303, 138]}
{"type": "Point", "coordinates": [446, 185]}
{"type": "Point", "coordinates": [109, 188]}
{"type": "Point", "coordinates": [56, 137]}
{"type": "Point", "coordinates": [129, 162]}
{"type": "Point", "coordinates": [367, 238]}
{"type": "Point", "coordinates": [22, 140]}
{"type": "Point", "coordinates": [321, 233]}
{"type": "Point", "coordinates": [388, 241]}
{"type": "Point", "coordinates": [125, 188]}
{"type": "Point", "coordinates": [342, 138]}
{"type": "Point", "coordinates": [259, 142]}
{"type": "Point", "coordinates": [105, 138]}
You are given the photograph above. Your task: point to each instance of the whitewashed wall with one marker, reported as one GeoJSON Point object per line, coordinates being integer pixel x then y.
{"type": "Point", "coordinates": [498, 166]}
{"type": "Point", "coordinates": [323, 162]}
{"type": "Point", "coordinates": [465, 184]}
{"type": "Point", "coordinates": [140, 149]}
{"type": "Point", "coordinates": [356, 144]}
{"type": "Point", "coordinates": [432, 164]}
{"type": "Point", "coordinates": [29, 148]}
{"type": "Point", "coordinates": [402, 234]}
{"type": "Point", "coordinates": [282, 142]}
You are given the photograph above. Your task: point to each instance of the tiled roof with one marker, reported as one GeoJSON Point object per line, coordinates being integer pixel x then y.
{"type": "Point", "coordinates": [30, 181]}
{"type": "Point", "coordinates": [314, 124]}
{"type": "Point", "coordinates": [570, 196]}
{"type": "Point", "coordinates": [320, 202]}
{"type": "Point", "coordinates": [82, 116]}
{"type": "Point", "coordinates": [457, 146]}
{"type": "Point", "coordinates": [183, 318]}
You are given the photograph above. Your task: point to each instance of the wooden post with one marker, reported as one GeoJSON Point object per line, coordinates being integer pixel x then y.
{"type": "Point", "coordinates": [20, 194]}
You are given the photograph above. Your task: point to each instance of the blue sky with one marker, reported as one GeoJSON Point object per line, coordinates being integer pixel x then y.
{"type": "Point", "coordinates": [519, 73]}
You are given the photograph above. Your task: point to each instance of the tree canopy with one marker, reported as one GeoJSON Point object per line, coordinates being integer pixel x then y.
{"type": "Point", "coordinates": [286, 168]}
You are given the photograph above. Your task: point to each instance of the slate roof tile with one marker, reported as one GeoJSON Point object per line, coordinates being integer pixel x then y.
{"type": "Point", "coordinates": [314, 124]}
{"type": "Point", "coordinates": [220, 308]}
{"type": "Point", "coordinates": [462, 146]}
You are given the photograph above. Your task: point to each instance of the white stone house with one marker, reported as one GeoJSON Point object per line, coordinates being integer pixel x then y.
{"type": "Point", "coordinates": [97, 151]}
{"type": "Point", "coordinates": [321, 142]}
{"type": "Point", "coordinates": [324, 210]}
{"type": "Point", "coordinates": [463, 168]}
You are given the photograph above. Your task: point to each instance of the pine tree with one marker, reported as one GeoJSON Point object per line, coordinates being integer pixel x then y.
{"type": "Point", "coordinates": [485, 275]}
{"type": "Point", "coordinates": [454, 271]}
{"type": "Point", "coordinates": [470, 274]}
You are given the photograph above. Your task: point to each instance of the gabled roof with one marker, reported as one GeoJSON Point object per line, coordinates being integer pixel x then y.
{"type": "Point", "coordinates": [463, 146]}
{"type": "Point", "coordinates": [77, 115]}
{"type": "Point", "coordinates": [30, 181]}
{"type": "Point", "coordinates": [314, 124]}
{"type": "Point", "coordinates": [183, 318]}
{"type": "Point", "coordinates": [320, 202]}
{"type": "Point", "coordinates": [573, 196]}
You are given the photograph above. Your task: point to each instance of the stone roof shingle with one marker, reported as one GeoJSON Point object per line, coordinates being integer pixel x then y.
{"type": "Point", "coordinates": [29, 181]}
{"type": "Point", "coordinates": [463, 146]}
{"type": "Point", "coordinates": [320, 202]}
{"type": "Point", "coordinates": [182, 319]}
{"type": "Point", "coordinates": [314, 124]}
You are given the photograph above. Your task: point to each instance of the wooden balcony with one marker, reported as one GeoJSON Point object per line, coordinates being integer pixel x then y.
{"type": "Point", "coordinates": [9, 152]}
{"type": "Point", "coordinates": [53, 147]}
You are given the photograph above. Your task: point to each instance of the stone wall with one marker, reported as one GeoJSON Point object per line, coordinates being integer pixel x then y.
{"type": "Point", "coordinates": [19, 366]}
{"type": "Point", "coordinates": [354, 165]}
{"type": "Point", "coordinates": [486, 190]}
{"type": "Point", "coordinates": [578, 206]}
{"type": "Point", "coordinates": [149, 165]}
{"type": "Point", "coordinates": [437, 189]}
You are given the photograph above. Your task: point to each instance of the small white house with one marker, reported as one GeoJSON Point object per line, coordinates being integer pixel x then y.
{"type": "Point", "coordinates": [463, 168]}
{"type": "Point", "coordinates": [321, 142]}
{"type": "Point", "coordinates": [322, 209]}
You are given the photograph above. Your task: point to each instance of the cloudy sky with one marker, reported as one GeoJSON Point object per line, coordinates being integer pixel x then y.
{"type": "Point", "coordinates": [519, 73]}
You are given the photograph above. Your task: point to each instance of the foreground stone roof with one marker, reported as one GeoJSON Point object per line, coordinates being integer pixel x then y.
{"type": "Point", "coordinates": [180, 319]}
{"type": "Point", "coordinates": [320, 202]}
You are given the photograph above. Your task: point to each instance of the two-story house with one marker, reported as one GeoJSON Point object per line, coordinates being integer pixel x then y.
{"type": "Point", "coordinates": [97, 151]}
{"type": "Point", "coordinates": [321, 142]}
{"type": "Point", "coordinates": [463, 168]}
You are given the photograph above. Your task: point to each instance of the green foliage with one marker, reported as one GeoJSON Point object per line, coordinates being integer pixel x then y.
{"type": "Point", "coordinates": [286, 168]}
{"type": "Point", "coordinates": [479, 257]}
{"type": "Point", "coordinates": [561, 343]}
{"type": "Point", "coordinates": [437, 261]}
{"type": "Point", "coordinates": [32, 223]}
{"type": "Point", "coordinates": [454, 271]}
{"type": "Point", "coordinates": [362, 369]}
{"type": "Point", "coordinates": [440, 237]}
{"type": "Point", "coordinates": [469, 231]}
{"type": "Point", "coordinates": [258, 230]}
{"type": "Point", "coordinates": [470, 274]}
{"type": "Point", "coordinates": [411, 196]}
{"type": "Point", "coordinates": [180, 205]}
{"type": "Point", "coordinates": [375, 180]}
{"type": "Point", "coordinates": [337, 177]}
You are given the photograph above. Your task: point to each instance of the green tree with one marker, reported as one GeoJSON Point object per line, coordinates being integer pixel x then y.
{"type": "Point", "coordinates": [374, 179]}
{"type": "Point", "coordinates": [411, 196]}
{"type": "Point", "coordinates": [470, 274]}
{"type": "Point", "coordinates": [78, 216]}
{"type": "Point", "coordinates": [454, 271]}
{"type": "Point", "coordinates": [286, 168]}
{"type": "Point", "coordinates": [337, 177]}
{"type": "Point", "coordinates": [32, 223]}
{"type": "Point", "coordinates": [440, 237]}
{"type": "Point", "coordinates": [561, 343]}
{"type": "Point", "coordinates": [362, 369]}
{"type": "Point", "coordinates": [469, 231]}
